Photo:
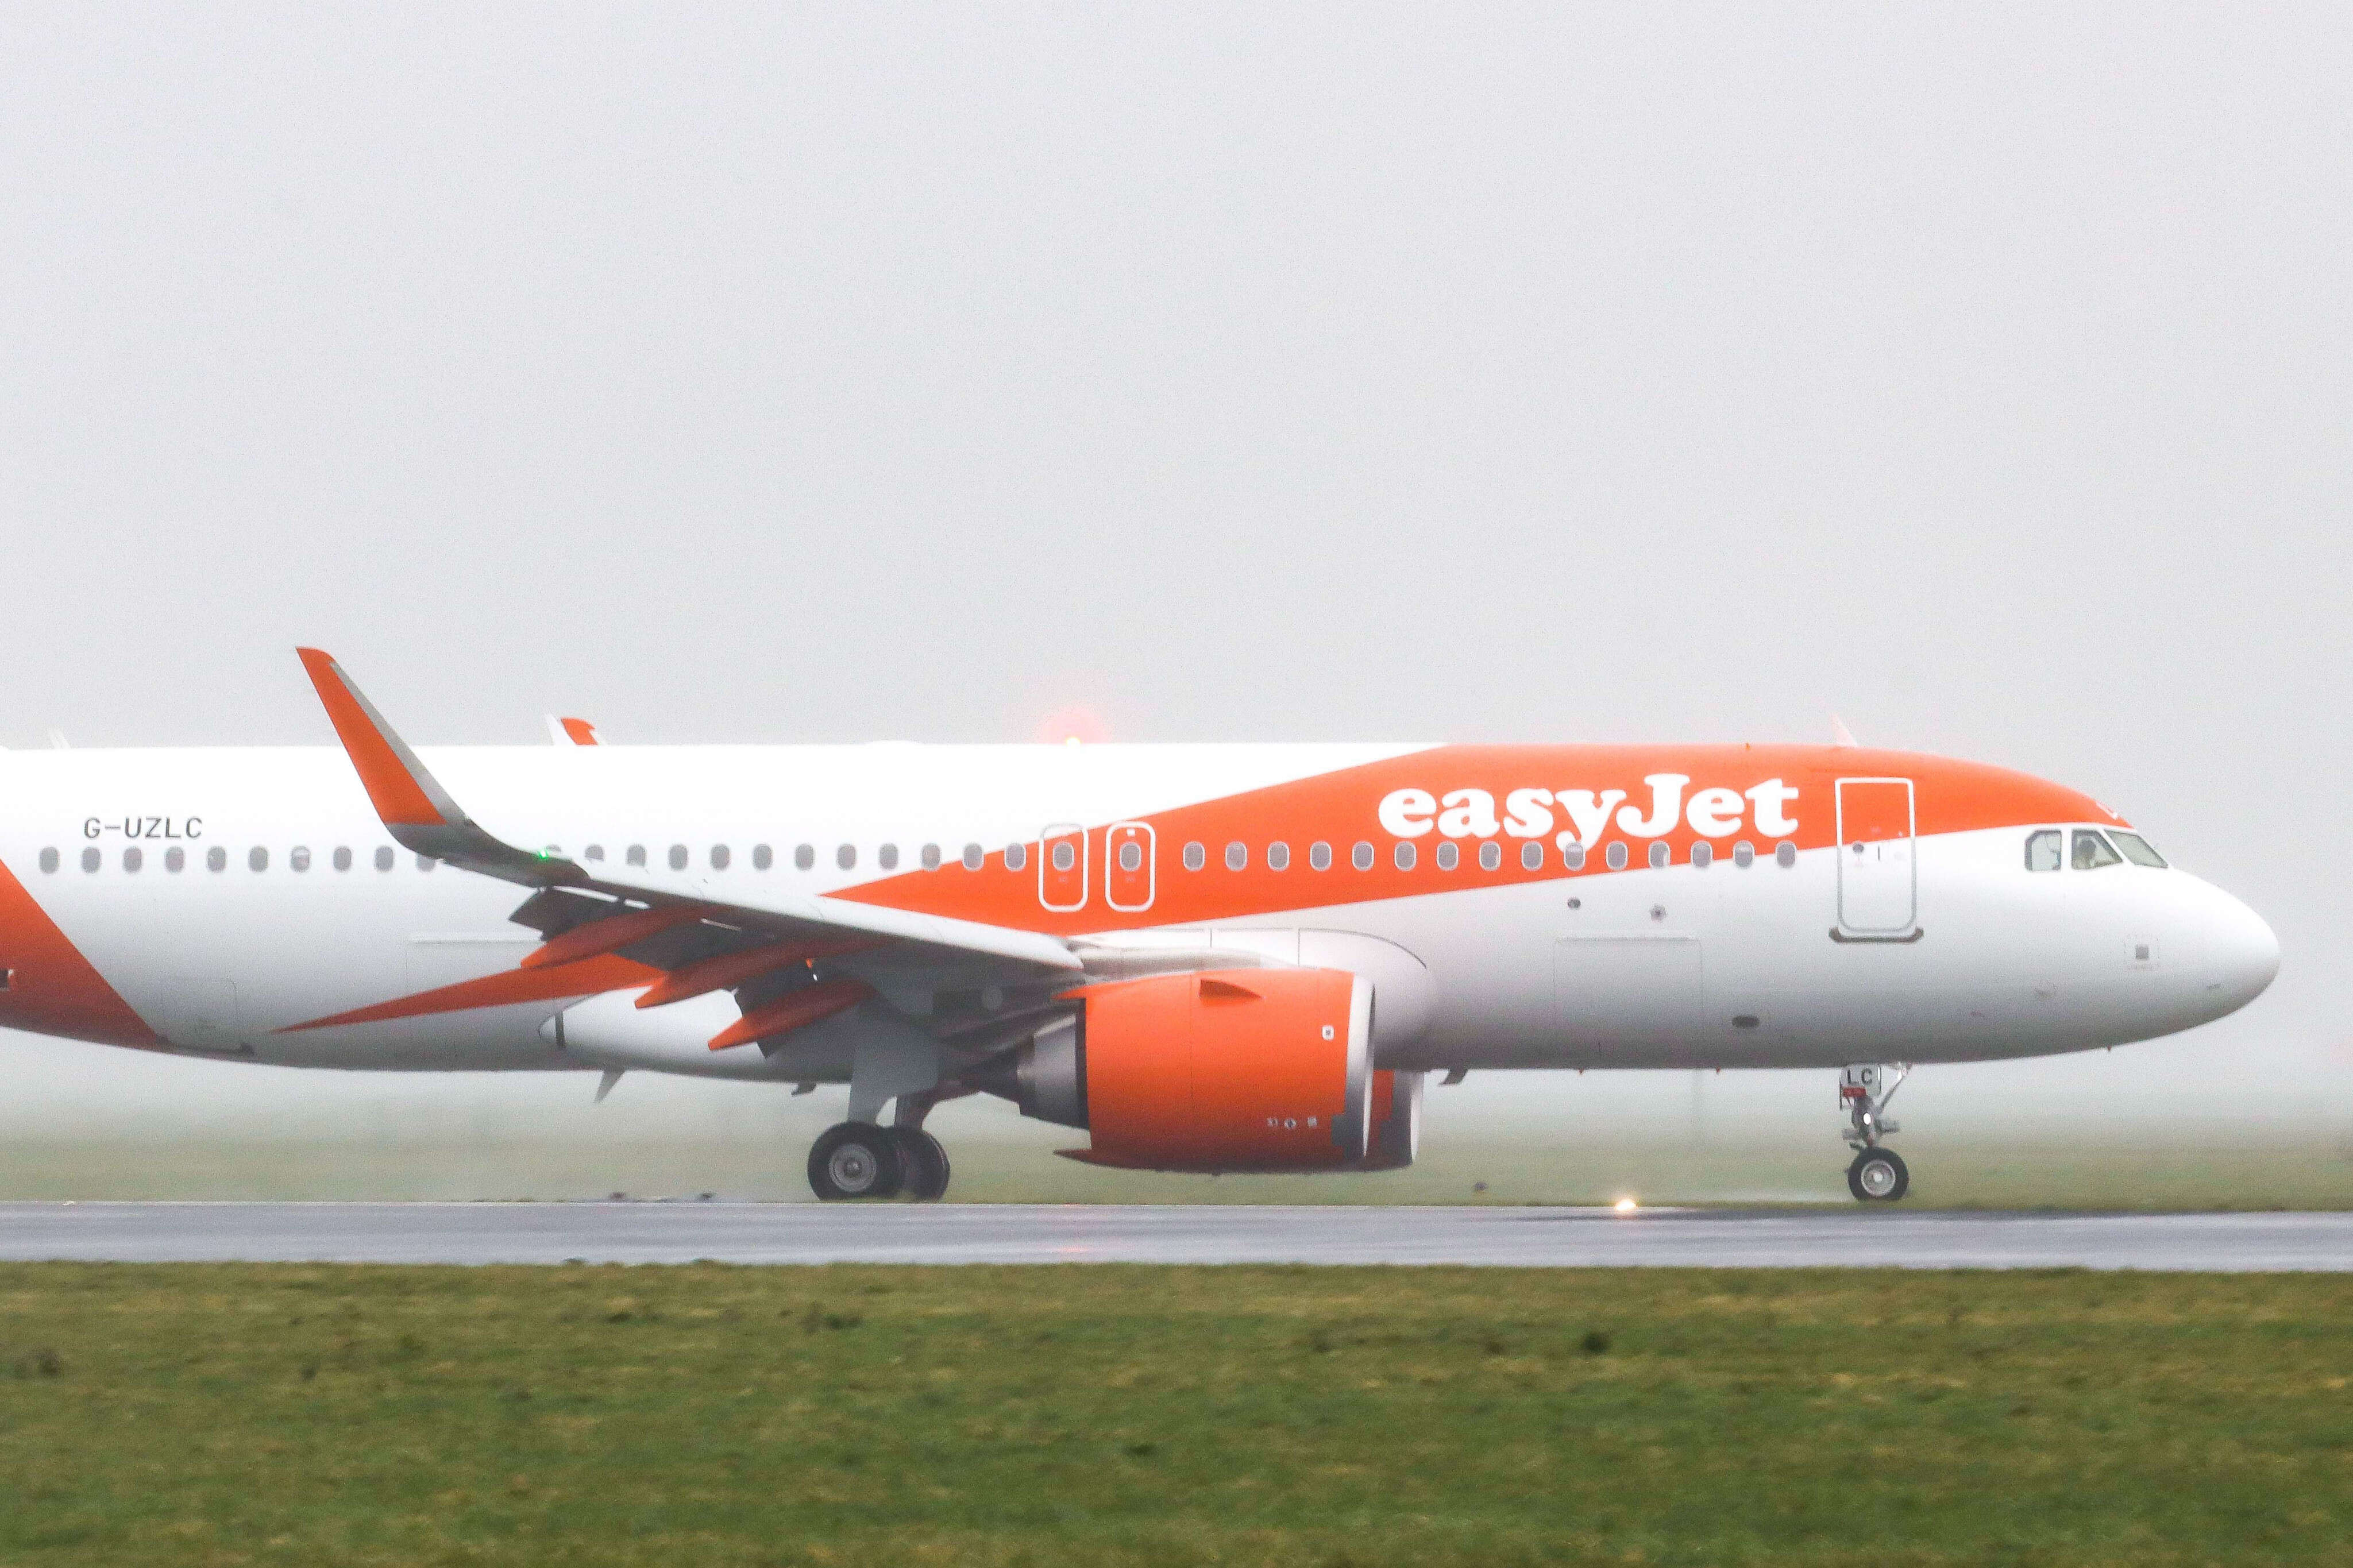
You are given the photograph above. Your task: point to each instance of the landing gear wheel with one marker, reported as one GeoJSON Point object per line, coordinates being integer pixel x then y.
{"type": "Point", "coordinates": [926, 1163]}
{"type": "Point", "coordinates": [856, 1160]}
{"type": "Point", "coordinates": [1878, 1176]}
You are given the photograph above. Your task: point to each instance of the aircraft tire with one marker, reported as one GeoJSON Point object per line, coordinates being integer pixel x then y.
{"type": "Point", "coordinates": [1878, 1176]}
{"type": "Point", "coordinates": [856, 1160]}
{"type": "Point", "coordinates": [926, 1161]}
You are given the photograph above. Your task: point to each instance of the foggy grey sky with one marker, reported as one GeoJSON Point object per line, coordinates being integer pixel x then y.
{"type": "Point", "coordinates": [1978, 374]}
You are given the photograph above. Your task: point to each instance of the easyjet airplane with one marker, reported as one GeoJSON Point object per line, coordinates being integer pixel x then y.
{"type": "Point", "coordinates": [1209, 958]}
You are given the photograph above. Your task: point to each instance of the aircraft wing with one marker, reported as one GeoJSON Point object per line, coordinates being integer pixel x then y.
{"type": "Point", "coordinates": [744, 942]}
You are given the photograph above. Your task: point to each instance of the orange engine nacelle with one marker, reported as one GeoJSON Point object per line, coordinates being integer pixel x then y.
{"type": "Point", "coordinates": [1255, 1069]}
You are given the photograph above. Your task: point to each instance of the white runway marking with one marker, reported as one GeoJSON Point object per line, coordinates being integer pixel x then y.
{"type": "Point", "coordinates": [808, 1233]}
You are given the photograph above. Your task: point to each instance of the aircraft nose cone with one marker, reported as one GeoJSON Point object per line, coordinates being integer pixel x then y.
{"type": "Point", "coordinates": [2244, 954]}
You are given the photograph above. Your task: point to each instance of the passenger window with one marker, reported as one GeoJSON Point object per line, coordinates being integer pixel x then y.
{"type": "Point", "coordinates": [1532, 856]}
{"type": "Point", "coordinates": [300, 859]}
{"type": "Point", "coordinates": [762, 856]}
{"type": "Point", "coordinates": [1361, 856]}
{"type": "Point", "coordinates": [677, 857]}
{"type": "Point", "coordinates": [425, 862]}
{"type": "Point", "coordinates": [720, 857]}
{"type": "Point", "coordinates": [595, 852]}
{"type": "Point", "coordinates": [2136, 848]}
{"type": "Point", "coordinates": [342, 858]}
{"type": "Point", "coordinates": [1130, 857]}
{"type": "Point", "coordinates": [1065, 855]}
{"type": "Point", "coordinates": [175, 859]}
{"type": "Point", "coordinates": [931, 856]}
{"type": "Point", "coordinates": [972, 858]}
{"type": "Point", "coordinates": [382, 858]}
{"type": "Point", "coordinates": [1785, 854]}
{"type": "Point", "coordinates": [1319, 857]}
{"type": "Point", "coordinates": [636, 855]}
{"type": "Point", "coordinates": [1660, 853]}
{"type": "Point", "coordinates": [89, 859]}
{"type": "Point", "coordinates": [217, 859]}
{"type": "Point", "coordinates": [1278, 856]}
{"type": "Point", "coordinates": [2091, 852]}
{"type": "Point", "coordinates": [1016, 855]}
{"type": "Point", "coordinates": [132, 859]}
{"type": "Point", "coordinates": [1702, 856]}
{"type": "Point", "coordinates": [1743, 854]}
{"type": "Point", "coordinates": [1236, 856]}
{"type": "Point", "coordinates": [804, 857]}
{"type": "Point", "coordinates": [2043, 850]}
{"type": "Point", "coordinates": [1490, 855]}
{"type": "Point", "coordinates": [48, 860]}
{"type": "Point", "coordinates": [258, 858]}
{"type": "Point", "coordinates": [1449, 857]}
{"type": "Point", "coordinates": [1615, 856]}
{"type": "Point", "coordinates": [889, 856]}
{"type": "Point", "coordinates": [1573, 856]}
{"type": "Point", "coordinates": [846, 857]}
{"type": "Point", "coordinates": [1404, 854]}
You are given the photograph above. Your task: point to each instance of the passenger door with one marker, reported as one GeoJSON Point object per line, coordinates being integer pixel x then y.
{"type": "Point", "coordinates": [1878, 884]}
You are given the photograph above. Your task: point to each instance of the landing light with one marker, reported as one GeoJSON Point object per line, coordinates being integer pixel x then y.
{"type": "Point", "coordinates": [1625, 1206]}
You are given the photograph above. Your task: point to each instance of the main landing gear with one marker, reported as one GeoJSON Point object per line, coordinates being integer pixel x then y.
{"type": "Point", "coordinates": [1878, 1174]}
{"type": "Point", "coordinates": [860, 1160]}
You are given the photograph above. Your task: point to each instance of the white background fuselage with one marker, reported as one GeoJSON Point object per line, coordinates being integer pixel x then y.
{"type": "Point", "coordinates": [1725, 965]}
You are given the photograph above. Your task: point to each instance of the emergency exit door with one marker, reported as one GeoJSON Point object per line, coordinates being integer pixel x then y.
{"type": "Point", "coordinates": [1062, 868]}
{"type": "Point", "coordinates": [1878, 885]}
{"type": "Point", "coordinates": [1127, 867]}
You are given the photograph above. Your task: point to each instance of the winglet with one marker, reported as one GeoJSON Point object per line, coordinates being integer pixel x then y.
{"type": "Point", "coordinates": [1839, 734]}
{"type": "Point", "coordinates": [572, 732]}
{"type": "Point", "coordinates": [415, 809]}
{"type": "Point", "coordinates": [397, 784]}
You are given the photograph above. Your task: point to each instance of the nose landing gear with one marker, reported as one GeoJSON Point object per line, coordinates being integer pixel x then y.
{"type": "Point", "coordinates": [1878, 1174]}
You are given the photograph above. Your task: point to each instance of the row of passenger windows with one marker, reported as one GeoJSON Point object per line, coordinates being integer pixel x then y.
{"type": "Point", "coordinates": [2045, 849]}
{"type": "Point", "coordinates": [217, 859]}
{"type": "Point", "coordinates": [2091, 851]}
{"type": "Point", "coordinates": [1062, 854]}
{"type": "Point", "coordinates": [1404, 856]}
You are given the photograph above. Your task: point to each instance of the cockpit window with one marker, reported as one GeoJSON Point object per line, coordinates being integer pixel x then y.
{"type": "Point", "coordinates": [2043, 850]}
{"type": "Point", "coordinates": [2091, 851]}
{"type": "Point", "coordinates": [2136, 848]}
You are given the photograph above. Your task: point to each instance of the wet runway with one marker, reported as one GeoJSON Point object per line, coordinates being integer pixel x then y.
{"type": "Point", "coordinates": [681, 1232]}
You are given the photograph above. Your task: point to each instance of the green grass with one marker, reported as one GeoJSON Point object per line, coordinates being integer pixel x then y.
{"type": "Point", "coordinates": [870, 1416]}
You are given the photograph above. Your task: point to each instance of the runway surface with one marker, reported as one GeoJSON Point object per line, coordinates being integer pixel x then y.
{"type": "Point", "coordinates": [807, 1233]}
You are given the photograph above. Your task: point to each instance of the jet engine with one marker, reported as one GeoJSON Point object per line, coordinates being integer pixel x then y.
{"type": "Point", "coordinates": [1254, 1069]}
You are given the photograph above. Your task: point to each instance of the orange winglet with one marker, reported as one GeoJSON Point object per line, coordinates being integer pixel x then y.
{"type": "Point", "coordinates": [583, 733]}
{"type": "Point", "coordinates": [391, 783]}
{"type": "Point", "coordinates": [612, 932]}
{"type": "Point", "coordinates": [734, 968]}
{"type": "Point", "coordinates": [800, 1010]}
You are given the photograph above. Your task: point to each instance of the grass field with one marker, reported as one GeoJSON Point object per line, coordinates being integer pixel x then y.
{"type": "Point", "coordinates": [710, 1415]}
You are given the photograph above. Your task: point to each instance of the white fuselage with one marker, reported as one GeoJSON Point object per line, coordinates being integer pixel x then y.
{"type": "Point", "coordinates": [266, 895]}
